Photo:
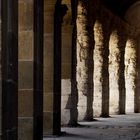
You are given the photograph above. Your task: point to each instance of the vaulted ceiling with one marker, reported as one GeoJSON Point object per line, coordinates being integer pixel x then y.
{"type": "Point", "coordinates": [119, 7]}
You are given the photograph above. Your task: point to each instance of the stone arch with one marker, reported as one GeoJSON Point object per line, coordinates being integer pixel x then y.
{"type": "Point", "coordinates": [132, 16]}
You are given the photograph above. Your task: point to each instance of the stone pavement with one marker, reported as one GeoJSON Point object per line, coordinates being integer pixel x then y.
{"type": "Point", "coordinates": [117, 127]}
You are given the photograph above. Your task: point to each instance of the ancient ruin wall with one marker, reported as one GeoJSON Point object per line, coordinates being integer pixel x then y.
{"type": "Point", "coordinates": [119, 90]}
{"type": "Point", "coordinates": [115, 65]}
{"type": "Point", "coordinates": [134, 13]}
{"type": "Point", "coordinates": [130, 74]}
{"type": "Point", "coordinates": [114, 96]}
{"type": "Point", "coordinates": [98, 67]}
{"type": "Point", "coordinates": [83, 46]}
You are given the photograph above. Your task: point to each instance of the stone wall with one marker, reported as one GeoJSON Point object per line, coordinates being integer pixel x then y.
{"type": "Point", "coordinates": [48, 65]}
{"type": "Point", "coordinates": [26, 67]}
{"type": "Point", "coordinates": [114, 52]}
{"type": "Point", "coordinates": [119, 89]}
{"type": "Point", "coordinates": [0, 86]}
{"type": "Point", "coordinates": [25, 110]}
{"type": "Point", "coordinates": [134, 13]}
{"type": "Point", "coordinates": [25, 94]}
{"type": "Point", "coordinates": [83, 67]}
{"type": "Point", "coordinates": [67, 29]}
{"type": "Point", "coordinates": [115, 61]}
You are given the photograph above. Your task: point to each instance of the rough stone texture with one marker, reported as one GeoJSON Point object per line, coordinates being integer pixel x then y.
{"type": "Point", "coordinates": [137, 97]}
{"type": "Point", "coordinates": [134, 13]}
{"type": "Point", "coordinates": [101, 78]}
{"type": "Point", "coordinates": [83, 48]}
{"type": "Point", "coordinates": [117, 87]}
{"type": "Point", "coordinates": [121, 80]}
{"type": "Point", "coordinates": [101, 75]}
{"type": "Point", "coordinates": [74, 91]}
{"type": "Point", "coordinates": [103, 69]}
{"type": "Point", "coordinates": [114, 68]}
{"type": "Point", "coordinates": [130, 73]}
{"type": "Point", "coordinates": [98, 68]}
{"type": "Point", "coordinates": [81, 74]}
{"type": "Point", "coordinates": [119, 30]}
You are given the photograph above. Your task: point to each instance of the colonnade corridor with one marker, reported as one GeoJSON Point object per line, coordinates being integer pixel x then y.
{"type": "Point", "coordinates": [70, 69]}
{"type": "Point", "coordinates": [117, 127]}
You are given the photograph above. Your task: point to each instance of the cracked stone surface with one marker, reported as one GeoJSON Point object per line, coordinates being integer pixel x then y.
{"type": "Point", "coordinates": [117, 127]}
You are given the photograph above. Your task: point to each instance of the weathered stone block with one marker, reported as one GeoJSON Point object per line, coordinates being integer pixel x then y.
{"type": "Point", "coordinates": [66, 86]}
{"type": "Point", "coordinates": [66, 55]}
{"type": "Point", "coordinates": [26, 45]}
{"type": "Point", "coordinates": [66, 102]}
{"type": "Point", "coordinates": [25, 129]}
{"type": "Point", "coordinates": [25, 15]}
{"type": "Point", "coordinates": [66, 71]}
{"type": "Point", "coordinates": [25, 74]}
{"type": "Point", "coordinates": [25, 103]}
{"type": "Point", "coordinates": [48, 85]}
{"type": "Point", "coordinates": [65, 116]}
{"type": "Point", "coordinates": [48, 123]}
{"type": "Point", "coordinates": [48, 102]}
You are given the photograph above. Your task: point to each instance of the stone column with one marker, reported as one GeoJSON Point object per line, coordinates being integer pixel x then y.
{"type": "Point", "coordinates": [54, 12]}
{"type": "Point", "coordinates": [137, 96]}
{"type": "Point", "coordinates": [0, 85]}
{"type": "Point", "coordinates": [83, 48]}
{"type": "Point", "coordinates": [134, 11]}
{"type": "Point", "coordinates": [130, 73]}
{"type": "Point", "coordinates": [25, 61]}
{"type": "Point", "coordinates": [66, 64]}
{"type": "Point", "coordinates": [101, 76]}
{"type": "Point", "coordinates": [49, 8]}
{"type": "Point", "coordinates": [74, 92]}
{"type": "Point", "coordinates": [121, 79]}
{"type": "Point", "coordinates": [38, 25]}
{"type": "Point", "coordinates": [114, 71]}
{"type": "Point", "coordinates": [60, 11]}
{"type": "Point", "coordinates": [105, 74]}
{"type": "Point", "coordinates": [9, 70]}
{"type": "Point", "coordinates": [117, 67]}
{"type": "Point", "coordinates": [98, 68]}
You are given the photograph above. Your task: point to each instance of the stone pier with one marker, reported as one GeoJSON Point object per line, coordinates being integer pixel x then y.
{"type": "Point", "coordinates": [114, 68]}
{"type": "Point", "coordinates": [83, 48]}
{"type": "Point", "coordinates": [101, 75]}
{"type": "Point", "coordinates": [98, 68]}
{"type": "Point", "coordinates": [25, 61]}
{"type": "Point", "coordinates": [130, 73]}
{"type": "Point", "coordinates": [117, 45]}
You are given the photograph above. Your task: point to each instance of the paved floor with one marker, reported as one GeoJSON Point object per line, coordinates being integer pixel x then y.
{"type": "Point", "coordinates": [120, 127]}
